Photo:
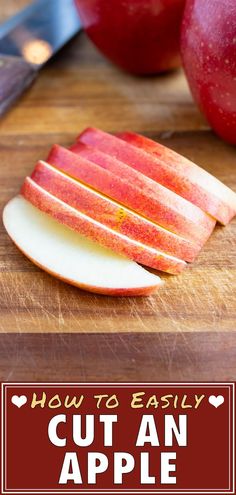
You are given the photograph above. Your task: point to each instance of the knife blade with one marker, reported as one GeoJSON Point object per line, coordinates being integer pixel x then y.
{"type": "Point", "coordinates": [28, 40]}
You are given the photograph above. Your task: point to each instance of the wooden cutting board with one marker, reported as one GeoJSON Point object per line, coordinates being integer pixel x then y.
{"type": "Point", "coordinates": [195, 310]}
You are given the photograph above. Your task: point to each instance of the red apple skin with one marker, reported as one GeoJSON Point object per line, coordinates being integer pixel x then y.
{"type": "Point", "coordinates": [208, 46]}
{"type": "Point", "coordinates": [146, 168]}
{"type": "Point", "coordinates": [85, 225]}
{"type": "Point", "coordinates": [140, 36]}
{"type": "Point", "coordinates": [161, 207]}
{"type": "Point", "coordinates": [111, 214]}
{"type": "Point", "coordinates": [199, 187]}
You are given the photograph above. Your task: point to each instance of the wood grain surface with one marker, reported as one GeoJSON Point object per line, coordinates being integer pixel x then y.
{"type": "Point", "coordinates": [184, 331]}
{"type": "Point", "coordinates": [118, 357]}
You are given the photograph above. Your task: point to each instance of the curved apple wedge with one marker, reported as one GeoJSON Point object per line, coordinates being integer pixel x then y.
{"type": "Point", "coordinates": [95, 231]}
{"type": "Point", "coordinates": [188, 179]}
{"type": "Point", "coordinates": [71, 257]}
{"type": "Point", "coordinates": [160, 176]}
{"type": "Point", "coordinates": [135, 191]}
{"type": "Point", "coordinates": [112, 214]}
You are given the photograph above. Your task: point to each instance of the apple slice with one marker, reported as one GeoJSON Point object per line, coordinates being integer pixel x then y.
{"type": "Point", "coordinates": [147, 165]}
{"type": "Point", "coordinates": [110, 213]}
{"type": "Point", "coordinates": [71, 257]}
{"type": "Point", "coordinates": [188, 179]}
{"type": "Point", "coordinates": [87, 226]}
{"type": "Point", "coordinates": [155, 202]}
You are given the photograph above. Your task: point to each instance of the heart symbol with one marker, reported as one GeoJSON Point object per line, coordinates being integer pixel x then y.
{"type": "Point", "coordinates": [19, 401]}
{"type": "Point", "coordinates": [216, 401]}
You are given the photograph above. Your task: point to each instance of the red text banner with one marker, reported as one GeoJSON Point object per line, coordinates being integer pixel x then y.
{"type": "Point", "coordinates": [117, 438]}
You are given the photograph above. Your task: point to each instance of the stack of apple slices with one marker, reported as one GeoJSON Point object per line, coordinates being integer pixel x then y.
{"type": "Point", "coordinates": [93, 213]}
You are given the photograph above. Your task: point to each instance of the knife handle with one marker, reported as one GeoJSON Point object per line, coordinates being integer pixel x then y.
{"type": "Point", "coordinates": [15, 76]}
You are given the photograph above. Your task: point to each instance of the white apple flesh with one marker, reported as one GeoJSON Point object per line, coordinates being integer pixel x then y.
{"type": "Point", "coordinates": [110, 213]}
{"type": "Point", "coordinates": [90, 228]}
{"type": "Point", "coordinates": [72, 257]}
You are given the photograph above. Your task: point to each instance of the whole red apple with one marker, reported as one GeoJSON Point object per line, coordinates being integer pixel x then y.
{"type": "Point", "coordinates": [208, 46]}
{"type": "Point", "coordinates": [141, 36]}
